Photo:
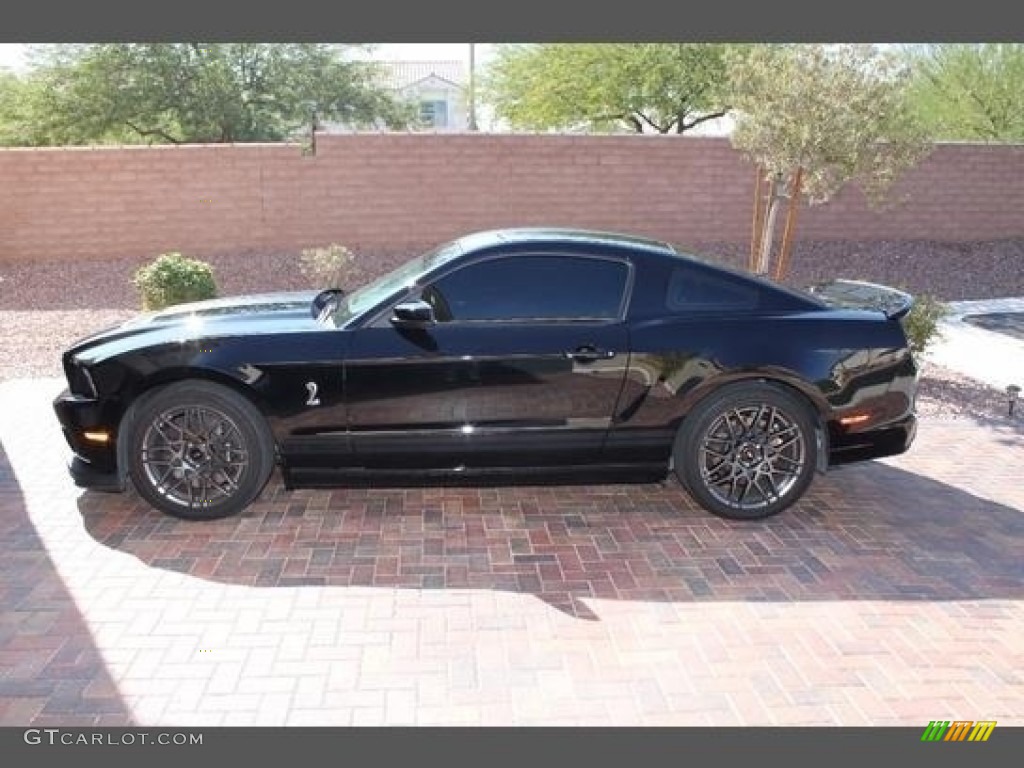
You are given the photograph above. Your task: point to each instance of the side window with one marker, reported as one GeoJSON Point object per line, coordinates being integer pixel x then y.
{"type": "Point", "coordinates": [532, 288]}
{"type": "Point", "coordinates": [694, 290]}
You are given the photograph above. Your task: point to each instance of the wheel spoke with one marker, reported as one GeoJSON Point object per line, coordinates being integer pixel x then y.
{"type": "Point", "coordinates": [783, 457]}
{"type": "Point", "coordinates": [746, 490]}
{"type": "Point", "coordinates": [202, 429]}
{"type": "Point", "coordinates": [178, 483]}
{"type": "Point", "coordinates": [147, 458]}
{"type": "Point", "coordinates": [224, 465]}
{"type": "Point", "coordinates": [732, 484]}
{"type": "Point", "coordinates": [716, 454]}
{"type": "Point", "coordinates": [773, 492]}
{"type": "Point", "coordinates": [229, 481]}
{"type": "Point", "coordinates": [783, 429]}
{"type": "Point", "coordinates": [217, 425]}
{"type": "Point", "coordinates": [781, 447]}
{"type": "Point", "coordinates": [168, 473]}
{"type": "Point", "coordinates": [725, 422]}
{"type": "Point", "coordinates": [158, 426]}
{"type": "Point", "coordinates": [755, 423]}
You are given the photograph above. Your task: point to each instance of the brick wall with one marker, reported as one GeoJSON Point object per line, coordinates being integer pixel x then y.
{"type": "Point", "coordinates": [391, 192]}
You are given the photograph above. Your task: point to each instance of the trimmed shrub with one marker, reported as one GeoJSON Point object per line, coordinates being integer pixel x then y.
{"type": "Point", "coordinates": [331, 266]}
{"type": "Point", "coordinates": [922, 322]}
{"type": "Point", "coordinates": [174, 279]}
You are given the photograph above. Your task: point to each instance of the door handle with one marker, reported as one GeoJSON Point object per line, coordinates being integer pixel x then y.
{"type": "Point", "coordinates": [589, 353]}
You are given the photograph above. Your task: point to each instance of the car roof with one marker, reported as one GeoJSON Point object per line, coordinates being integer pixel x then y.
{"type": "Point", "coordinates": [556, 236]}
{"type": "Point", "coordinates": [560, 236]}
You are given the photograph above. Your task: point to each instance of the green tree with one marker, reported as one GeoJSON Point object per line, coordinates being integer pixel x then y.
{"type": "Point", "coordinates": [14, 100]}
{"type": "Point", "coordinates": [662, 87]}
{"type": "Point", "coordinates": [813, 117]}
{"type": "Point", "coordinates": [969, 92]}
{"type": "Point", "coordinates": [192, 92]}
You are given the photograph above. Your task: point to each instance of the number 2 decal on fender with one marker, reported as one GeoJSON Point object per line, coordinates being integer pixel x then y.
{"type": "Point", "coordinates": [311, 388]}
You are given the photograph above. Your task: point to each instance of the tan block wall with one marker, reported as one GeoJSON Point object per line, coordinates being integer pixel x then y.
{"type": "Point", "coordinates": [393, 192]}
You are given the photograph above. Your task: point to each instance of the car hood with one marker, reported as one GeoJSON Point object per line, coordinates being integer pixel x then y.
{"type": "Point", "coordinates": [231, 316]}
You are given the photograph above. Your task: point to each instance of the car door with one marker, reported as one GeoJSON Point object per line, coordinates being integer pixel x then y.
{"type": "Point", "coordinates": [522, 368]}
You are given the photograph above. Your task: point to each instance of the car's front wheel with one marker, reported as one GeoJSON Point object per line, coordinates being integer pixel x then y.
{"type": "Point", "coordinates": [198, 450]}
{"type": "Point", "coordinates": [747, 452]}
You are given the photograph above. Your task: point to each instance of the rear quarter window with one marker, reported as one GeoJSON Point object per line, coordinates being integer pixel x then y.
{"type": "Point", "coordinates": [693, 290]}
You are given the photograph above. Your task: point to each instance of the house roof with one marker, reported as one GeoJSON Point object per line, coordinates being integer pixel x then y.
{"type": "Point", "coordinates": [402, 74]}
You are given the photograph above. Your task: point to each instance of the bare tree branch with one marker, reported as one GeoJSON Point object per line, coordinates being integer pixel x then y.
{"type": "Point", "coordinates": [656, 126]}
{"type": "Point", "coordinates": [703, 119]}
{"type": "Point", "coordinates": [152, 132]}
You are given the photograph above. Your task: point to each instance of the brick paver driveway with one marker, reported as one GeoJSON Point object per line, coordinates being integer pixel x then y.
{"type": "Point", "coordinates": [893, 594]}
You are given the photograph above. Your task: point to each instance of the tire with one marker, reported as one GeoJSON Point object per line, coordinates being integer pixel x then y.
{"type": "Point", "coordinates": [747, 452]}
{"type": "Point", "coordinates": [198, 451]}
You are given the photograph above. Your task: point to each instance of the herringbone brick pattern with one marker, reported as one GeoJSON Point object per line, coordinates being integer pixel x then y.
{"type": "Point", "coordinates": [893, 594]}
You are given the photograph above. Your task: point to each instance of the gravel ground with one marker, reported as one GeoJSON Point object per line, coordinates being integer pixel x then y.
{"type": "Point", "coordinates": [940, 269]}
{"type": "Point", "coordinates": [32, 342]}
{"type": "Point", "coordinates": [46, 306]}
{"type": "Point", "coordinates": [944, 393]}
{"type": "Point", "coordinates": [950, 271]}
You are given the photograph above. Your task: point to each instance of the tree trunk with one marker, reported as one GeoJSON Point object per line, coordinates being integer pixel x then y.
{"type": "Point", "coordinates": [787, 234]}
{"type": "Point", "coordinates": [778, 190]}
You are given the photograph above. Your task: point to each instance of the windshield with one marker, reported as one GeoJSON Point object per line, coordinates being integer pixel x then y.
{"type": "Point", "coordinates": [386, 286]}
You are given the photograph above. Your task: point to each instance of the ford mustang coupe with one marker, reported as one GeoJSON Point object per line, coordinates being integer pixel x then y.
{"type": "Point", "coordinates": [521, 353]}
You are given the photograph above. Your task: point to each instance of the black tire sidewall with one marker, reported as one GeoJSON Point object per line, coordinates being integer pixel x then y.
{"type": "Point", "coordinates": [252, 425]}
{"type": "Point", "coordinates": [686, 449]}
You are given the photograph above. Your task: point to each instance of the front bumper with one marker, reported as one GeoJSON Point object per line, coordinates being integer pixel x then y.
{"type": "Point", "coordinates": [86, 475]}
{"type": "Point", "coordinates": [94, 465]}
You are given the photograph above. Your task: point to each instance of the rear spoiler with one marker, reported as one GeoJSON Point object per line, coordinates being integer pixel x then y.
{"type": "Point", "coordinates": [855, 294]}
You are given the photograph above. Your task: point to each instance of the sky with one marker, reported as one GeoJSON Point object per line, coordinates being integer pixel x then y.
{"type": "Point", "coordinates": [12, 54]}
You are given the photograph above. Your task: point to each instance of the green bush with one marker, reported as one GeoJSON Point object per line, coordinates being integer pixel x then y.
{"type": "Point", "coordinates": [332, 266]}
{"type": "Point", "coordinates": [173, 279]}
{"type": "Point", "coordinates": [922, 322]}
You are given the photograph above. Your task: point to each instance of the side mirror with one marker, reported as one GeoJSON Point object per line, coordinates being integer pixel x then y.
{"type": "Point", "coordinates": [413, 314]}
{"type": "Point", "coordinates": [326, 303]}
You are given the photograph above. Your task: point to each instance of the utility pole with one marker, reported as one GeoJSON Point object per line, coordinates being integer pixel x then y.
{"type": "Point", "coordinates": [472, 87]}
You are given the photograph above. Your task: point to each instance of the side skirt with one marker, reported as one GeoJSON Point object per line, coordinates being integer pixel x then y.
{"type": "Point", "coordinates": [360, 477]}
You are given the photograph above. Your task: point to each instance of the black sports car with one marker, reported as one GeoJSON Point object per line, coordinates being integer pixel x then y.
{"type": "Point", "coordinates": [542, 353]}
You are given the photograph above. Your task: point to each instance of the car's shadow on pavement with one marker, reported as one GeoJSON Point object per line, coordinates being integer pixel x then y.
{"type": "Point", "coordinates": [868, 532]}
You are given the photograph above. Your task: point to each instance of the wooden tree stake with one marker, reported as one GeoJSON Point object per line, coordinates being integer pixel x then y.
{"type": "Point", "coordinates": [757, 229]}
{"type": "Point", "coordinates": [787, 233]}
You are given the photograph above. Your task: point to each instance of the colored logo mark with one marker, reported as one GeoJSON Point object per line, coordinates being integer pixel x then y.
{"type": "Point", "coordinates": [958, 730]}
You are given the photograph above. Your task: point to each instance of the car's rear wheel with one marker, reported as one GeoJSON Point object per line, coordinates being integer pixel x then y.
{"type": "Point", "coordinates": [747, 452]}
{"type": "Point", "coordinates": [198, 450]}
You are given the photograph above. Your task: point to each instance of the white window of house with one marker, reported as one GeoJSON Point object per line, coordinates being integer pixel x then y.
{"type": "Point", "coordinates": [434, 113]}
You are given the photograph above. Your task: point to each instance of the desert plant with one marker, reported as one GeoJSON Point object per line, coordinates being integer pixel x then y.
{"type": "Point", "coordinates": [331, 266]}
{"type": "Point", "coordinates": [922, 322]}
{"type": "Point", "coordinates": [174, 279]}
